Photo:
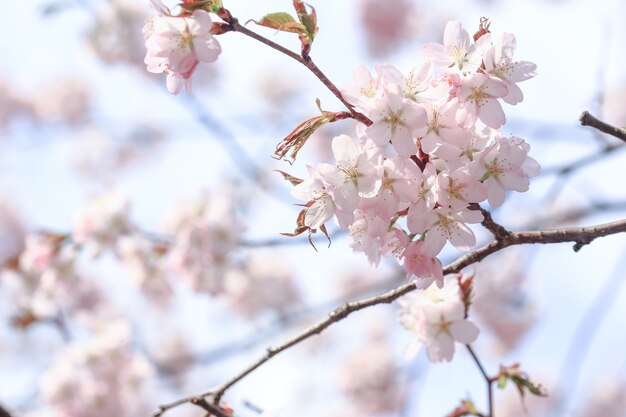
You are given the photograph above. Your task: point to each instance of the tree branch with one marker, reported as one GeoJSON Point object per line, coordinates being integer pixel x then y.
{"type": "Point", "coordinates": [307, 62]}
{"type": "Point", "coordinates": [580, 235]}
{"type": "Point", "coordinates": [587, 119]}
{"type": "Point", "coordinates": [488, 380]}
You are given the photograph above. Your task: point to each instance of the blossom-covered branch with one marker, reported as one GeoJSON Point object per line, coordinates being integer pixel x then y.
{"type": "Point", "coordinates": [579, 235]}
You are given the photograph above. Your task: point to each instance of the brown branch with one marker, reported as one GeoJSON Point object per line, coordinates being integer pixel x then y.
{"type": "Point", "coordinates": [587, 119]}
{"type": "Point", "coordinates": [4, 413]}
{"type": "Point", "coordinates": [307, 62]}
{"type": "Point", "coordinates": [212, 409]}
{"type": "Point", "coordinates": [488, 380]}
{"type": "Point", "coordinates": [498, 231]}
{"type": "Point", "coordinates": [580, 235]}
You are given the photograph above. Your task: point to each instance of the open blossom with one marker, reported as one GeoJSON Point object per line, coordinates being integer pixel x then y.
{"type": "Point", "coordinates": [422, 265]}
{"type": "Point", "coordinates": [177, 44]}
{"type": "Point", "coordinates": [320, 206]}
{"type": "Point", "coordinates": [398, 120]}
{"type": "Point", "coordinates": [505, 165]}
{"type": "Point", "coordinates": [436, 317]}
{"type": "Point", "coordinates": [478, 97]}
{"type": "Point", "coordinates": [457, 50]}
{"type": "Point", "coordinates": [499, 63]}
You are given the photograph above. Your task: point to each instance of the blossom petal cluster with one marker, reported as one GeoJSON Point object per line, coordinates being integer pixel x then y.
{"type": "Point", "coordinates": [409, 182]}
{"type": "Point", "coordinates": [177, 44]}
{"type": "Point", "coordinates": [103, 376]}
{"type": "Point", "coordinates": [436, 319]}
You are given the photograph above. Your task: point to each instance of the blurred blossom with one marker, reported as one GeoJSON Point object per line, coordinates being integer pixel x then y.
{"type": "Point", "coordinates": [173, 355]}
{"type": "Point", "coordinates": [114, 36]}
{"type": "Point", "coordinates": [65, 101]}
{"type": "Point", "coordinates": [12, 232]}
{"type": "Point", "coordinates": [143, 261]}
{"type": "Point", "coordinates": [279, 90]}
{"type": "Point", "coordinates": [100, 223]}
{"type": "Point", "coordinates": [98, 154]}
{"type": "Point", "coordinates": [207, 235]}
{"type": "Point", "coordinates": [387, 24]}
{"type": "Point", "coordinates": [12, 103]}
{"type": "Point", "coordinates": [501, 302]}
{"type": "Point", "coordinates": [263, 283]}
{"type": "Point", "coordinates": [370, 378]}
{"type": "Point", "coordinates": [509, 403]}
{"type": "Point", "coordinates": [43, 279]}
{"type": "Point", "coordinates": [607, 399]}
{"type": "Point", "coordinates": [102, 377]}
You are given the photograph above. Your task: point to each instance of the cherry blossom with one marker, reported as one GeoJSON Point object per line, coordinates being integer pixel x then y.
{"type": "Point", "coordinates": [99, 224]}
{"type": "Point", "coordinates": [103, 376]}
{"type": "Point", "coordinates": [422, 265]}
{"type": "Point", "coordinates": [177, 44]}
{"type": "Point", "coordinates": [505, 165]}
{"type": "Point", "coordinates": [397, 120]}
{"type": "Point", "coordinates": [478, 100]}
{"type": "Point", "coordinates": [436, 317]}
{"type": "Point", "coordinates": [499, 63]}
{"type": "Point", "coordinates": [456, 49]}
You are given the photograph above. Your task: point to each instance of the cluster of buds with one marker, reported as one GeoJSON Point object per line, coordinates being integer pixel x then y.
{"type": "Point", "coordinates": [432, 152]}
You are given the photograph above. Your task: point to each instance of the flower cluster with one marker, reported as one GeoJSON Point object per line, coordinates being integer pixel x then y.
{"type": "Point", "coordinates": [102, 377]}
{"type": "Point", "coordinates": [177, 44]}
{"type": "Point", "coordinates": [432, 151]}
{"type": "Point", "coordinates": [436, 317]}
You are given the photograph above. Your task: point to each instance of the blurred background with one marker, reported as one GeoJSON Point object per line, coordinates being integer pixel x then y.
{"type": "Point", "coordinates": [188, 280]}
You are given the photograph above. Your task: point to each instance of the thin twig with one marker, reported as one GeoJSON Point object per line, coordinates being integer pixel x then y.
{"type": "Point", "coordinates": [212, 409]}
{"type": "Point", "coordinates": [498, 231]}
{"type": "Point", "coordinates": [587, 119]}
{"type": "Point", "coordinates": [580, 235]}
{"type": "Point", "coordinates": [307, 62]}
{"type": "Point", "coordinates": [488, 380]}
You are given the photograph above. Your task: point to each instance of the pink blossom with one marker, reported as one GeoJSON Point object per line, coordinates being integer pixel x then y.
{"type": "Point", "coordinates": [103, 376]}
{"type": "Point", "coordinates": [499, 63]}
{"type": "Point", "coordinates": [422, 265]}
{"type": "Point", "coordinates": [177, 44]}
{"type": "Point", "coordinates": [458, 188]}
{"type": "Point", "coordinates": [102, 222]}
{"type": "Point", "coordinates": [450, 225]}
{"type": "Point", "coordinates": [436, 317]}
{"type": "Point", "coordinates": [315, 191]}
{"type": "Point", "coordinates": [397, 120]}
{"type": "Point", "coordinates": [444, 137]}
{"type": "Point", "coordinates": [354, 176]}
{"type": "Point", "coordinates": [457, 49]}
{"type": "Point", "coordinates": [478, 99]}
{"type": "Point", "coordinates": [505, 165]}
{"type": "Point", "coordinates": [366, 234]}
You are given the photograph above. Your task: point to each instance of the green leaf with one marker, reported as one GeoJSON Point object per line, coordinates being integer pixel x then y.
{"type": "Point", "coordinates": [281, 21]}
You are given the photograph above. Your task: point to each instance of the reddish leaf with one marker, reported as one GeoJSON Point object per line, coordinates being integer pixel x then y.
{"type": "Point", "coordinates": [293, 180]}
{"type": "Point", "coordinates": [466, 289]}
{"type": "Point", "coordinates": [295, 140]}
